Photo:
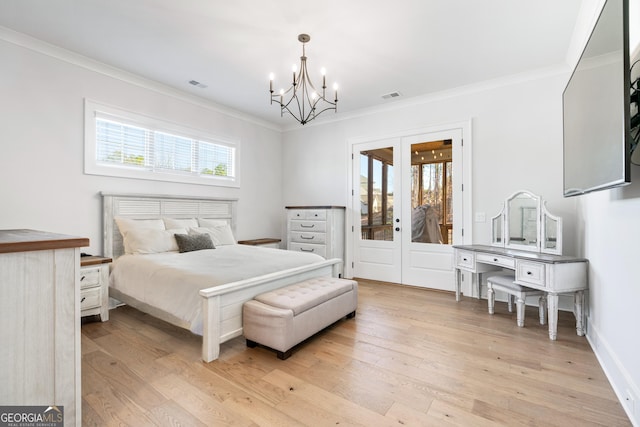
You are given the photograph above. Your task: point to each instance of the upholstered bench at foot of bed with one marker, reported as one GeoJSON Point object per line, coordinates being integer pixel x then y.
{"type": "Point", "coordinates": [284, 317]}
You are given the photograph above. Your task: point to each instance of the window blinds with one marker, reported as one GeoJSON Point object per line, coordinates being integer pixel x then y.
{"type": "Point", "coordinates": [125, 145]}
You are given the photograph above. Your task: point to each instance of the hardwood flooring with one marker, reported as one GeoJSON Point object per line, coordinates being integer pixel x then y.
{"type": "Point", "coordinates": [410, 357]}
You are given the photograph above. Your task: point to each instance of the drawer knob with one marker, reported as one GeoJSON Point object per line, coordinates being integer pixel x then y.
{"type": "Point", "coordinates": [464, 259]}
{"type": "Point", "coordinates": [307, 250]}
{"type": "Point", "coordinates": [529, 273]}
{"type": "Point", "coordinates": [307, 238]}
{"type": "Point", "coordinates": [307, 226]}
{"type": "Point", "coordinates": [83, 298]}
{"type": "Point", "coordinates": [82, 278]}
{"type": "Point", "coordinates": [495, 260]}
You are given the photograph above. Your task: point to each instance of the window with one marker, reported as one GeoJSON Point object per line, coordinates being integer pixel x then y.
{"type": "Point", "coordinates": [431, 183]}
{"type": "Point", "coordinates": [123, 144]}
{"type": "Point", "coordinates": [376, 193]}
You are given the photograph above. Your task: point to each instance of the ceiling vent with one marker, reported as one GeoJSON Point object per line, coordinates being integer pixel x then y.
{"type": "Point", "coordinates": [391, 95]}
{"type": "Point", "coordinates": [197, 84]}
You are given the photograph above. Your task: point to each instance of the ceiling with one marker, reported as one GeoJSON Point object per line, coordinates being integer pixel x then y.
{"type": "Point", "coordinates": [369, 47]}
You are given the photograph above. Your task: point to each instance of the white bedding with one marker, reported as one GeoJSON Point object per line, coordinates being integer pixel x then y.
{"type": "Point", "coordinates": [170, 281]}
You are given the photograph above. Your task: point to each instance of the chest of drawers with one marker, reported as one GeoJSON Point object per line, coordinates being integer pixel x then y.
{"type": "Point", "coordinates": [316, 229]}
{"type": "Point", "coordinates": [39, 314]}
{"type": "Point", "coordinates": [94, 287]}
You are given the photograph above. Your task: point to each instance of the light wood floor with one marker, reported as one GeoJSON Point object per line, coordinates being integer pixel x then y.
{"type": "Point", "coordinates": [411, 357]}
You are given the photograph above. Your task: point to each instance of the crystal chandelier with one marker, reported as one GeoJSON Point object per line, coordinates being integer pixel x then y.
{"type": "Point", "coordinates": [303, 101]}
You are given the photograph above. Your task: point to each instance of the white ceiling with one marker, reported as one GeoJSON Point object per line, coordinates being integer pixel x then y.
{"type": "Point", "coordinates": [369, 47]}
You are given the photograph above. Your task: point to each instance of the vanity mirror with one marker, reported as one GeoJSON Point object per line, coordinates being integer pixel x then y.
{"type": "Point", "coordinates": [525, 223]}
{"type": "Point", "coordinates": [522, 221]}
{"type": "Point", "coordinates": [552, 232]}
{"type": "Point", "coordinates": [497, 225]}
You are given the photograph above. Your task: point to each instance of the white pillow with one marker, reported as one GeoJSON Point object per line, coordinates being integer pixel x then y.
{"type": "Point", "coordinates": [179, 223]}
{"type": "Point", "coordinates": [220, 235]}
{"type": "Point", "coordinates": [127, 224]}
{"type": "Point", "coordinates": [207, 222]}
{"type": "Point", "coordinates": [150, 241]}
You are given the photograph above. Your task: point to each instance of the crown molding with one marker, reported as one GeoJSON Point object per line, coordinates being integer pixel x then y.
{"type": "Point", "coordinates": [537, 74]}
{"type": "Point", "coordinates": [40, 46]}
{"type": "Point", "coordinates": [37, 45]}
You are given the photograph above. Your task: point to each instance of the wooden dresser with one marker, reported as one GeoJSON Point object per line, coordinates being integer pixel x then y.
{"type": "Point", "coordinates": [40, 318]}
{"type": "Point", "coordinates": [316, 229]}
{"type": "Point", "coordinates": [94, 286]}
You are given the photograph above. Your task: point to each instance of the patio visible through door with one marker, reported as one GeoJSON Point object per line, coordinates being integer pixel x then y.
{"type": "Point", "coordinates": [407, 208]}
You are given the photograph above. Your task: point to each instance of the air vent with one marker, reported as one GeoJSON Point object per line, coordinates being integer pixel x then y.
{"type": "Point", "coordinates": [197, 84]}
{"type": "Point", "coordinates": [391, 95]}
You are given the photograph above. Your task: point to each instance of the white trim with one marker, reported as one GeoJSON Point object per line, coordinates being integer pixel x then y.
{"type": "Point", "coordinates": [623, 384]}
{"type": "Point", "coordinates": [48, 49]}
{"type": "Point", "coordinates": [92, 109]}
{"type": "Point", "coordinates": [37, 45]}
{"type": "Point", "coordinates": [398, 104]}
{"type": "Point", "coordinates": [467, 194]}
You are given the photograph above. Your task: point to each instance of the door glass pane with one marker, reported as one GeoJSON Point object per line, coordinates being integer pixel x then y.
{"type": "Point", "coordinates": [376, 194]}
{"type": "Point", "coordinates": [431, 192]}
{"type": "Point", "coordinates": [415, 186]}
{"type": "Point", "coordinates": [449, 202]}
{"type": "Point", "coordinates": [432, 186]}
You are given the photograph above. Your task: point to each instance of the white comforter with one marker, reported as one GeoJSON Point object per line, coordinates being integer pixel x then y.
{"type": "Point", "coordinates": [170, 281]}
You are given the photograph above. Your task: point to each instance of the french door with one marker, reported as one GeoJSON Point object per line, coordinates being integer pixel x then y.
{"type": "Point", "coordinates": [407, 208]}
{"type": "Point", "coordinates": [377, 210]}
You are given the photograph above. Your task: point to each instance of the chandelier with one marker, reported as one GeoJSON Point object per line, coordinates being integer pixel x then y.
{"type": "Point", "coordinates": [302, 100]}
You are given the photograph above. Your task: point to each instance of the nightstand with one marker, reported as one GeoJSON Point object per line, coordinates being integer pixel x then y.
{"type": "Point", "coordinates": [266, 242]}
{"type": "Point", "coordinates": [94, 286]}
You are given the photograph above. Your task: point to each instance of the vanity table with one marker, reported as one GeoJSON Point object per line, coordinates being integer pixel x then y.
{"type": "Point", "coordinates": [527, 239]}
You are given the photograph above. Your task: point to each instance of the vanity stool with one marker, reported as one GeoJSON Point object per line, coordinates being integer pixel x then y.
{"type": "Point", "coordinates": [505, 283]}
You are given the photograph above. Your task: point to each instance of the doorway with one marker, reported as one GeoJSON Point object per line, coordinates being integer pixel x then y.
{"type": "Point", "coordinates": [407, 207]}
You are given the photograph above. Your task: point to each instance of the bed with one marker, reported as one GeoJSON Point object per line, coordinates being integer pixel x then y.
{"type": "Point", "coordinates": [204, 298]}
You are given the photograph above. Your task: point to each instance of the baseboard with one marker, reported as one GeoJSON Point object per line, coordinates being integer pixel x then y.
{"type": "Point", "coordinates": [627, 391]}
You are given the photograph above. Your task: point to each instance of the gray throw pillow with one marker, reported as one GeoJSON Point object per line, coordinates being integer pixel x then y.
{"type": "Point", "coordinates": [193, 242]}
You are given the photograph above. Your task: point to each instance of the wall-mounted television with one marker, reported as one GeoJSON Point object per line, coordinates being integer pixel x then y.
{"type": "Point", "coordinates": [596, 108]}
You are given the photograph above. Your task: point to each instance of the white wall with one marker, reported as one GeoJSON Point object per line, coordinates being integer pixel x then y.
{"type": "Point", "coordinates": [516, 144]}
{"type": "Point", "coordinates": [516, 137]}
{"type": "Point", "coordinates": [610, 232]}
{"type": "Point", "coordinates": [608, 235]}
{"type": "Point", "coordinates": [42, 184]}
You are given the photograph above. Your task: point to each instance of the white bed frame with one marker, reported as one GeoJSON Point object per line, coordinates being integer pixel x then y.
{"type": "Point", "coordinates": [222, 305]}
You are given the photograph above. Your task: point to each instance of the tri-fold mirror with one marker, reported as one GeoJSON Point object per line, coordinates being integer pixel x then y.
{"type": "Point", "coordinates": [524, 223]}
